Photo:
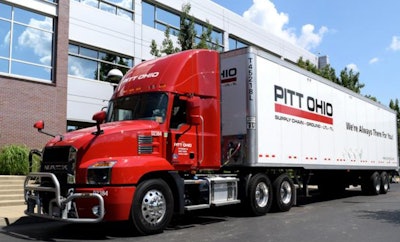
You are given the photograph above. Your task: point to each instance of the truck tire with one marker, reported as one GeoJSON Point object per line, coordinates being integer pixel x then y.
{"type": "Point", "coordinates": [284, 193]}
{"type": "Point", "coordinates": [259, 196]}
{"type": "Point", "coordinates": [384, 182]}
{"type": "Point", "coordinates": [372, 184]}
{"type": "Point", "coordinates": [152, 207]}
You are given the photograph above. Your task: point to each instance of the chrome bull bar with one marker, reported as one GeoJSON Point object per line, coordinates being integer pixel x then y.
{"type": "Point", "coordinates": [60, 207]}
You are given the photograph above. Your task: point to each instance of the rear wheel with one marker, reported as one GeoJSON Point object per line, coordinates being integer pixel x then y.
{"type": "Point", "coordinates": [152, 207]}
{"type": "Point", "coordinates": [372, 184]}
{"type": "Point", "coordinates": [384, 182]}
{"type": "Point", "coordinates": [259, 199]}
{"type": "Point", "coordinates": [284, 191]}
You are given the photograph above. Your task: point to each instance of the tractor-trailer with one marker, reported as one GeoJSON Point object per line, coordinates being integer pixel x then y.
{"type": "Point", "coordinates": [201, 129]}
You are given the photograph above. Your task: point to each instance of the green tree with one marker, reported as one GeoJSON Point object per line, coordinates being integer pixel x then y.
{"type": "Point", "coordinates": [372, 98]}
{"type": "Point", "coordinates": [329, 73]}
{"type": "Point", "coordinates": [350, 80]}
{"type": "Point", "coordinates": [394, 105]}
{"type": "Point", "coordinates": [308, 66]}
{"type": "Point", "coordinates": [186, 36]}
{"type": "Point", "coordinates": [206, 41]}
{"type": "Point", "coordinates": [154, 49]}
{"type": "Point", "coordinates": [167, 45]}
{"type": "Point", "coordinates": [187, 33]}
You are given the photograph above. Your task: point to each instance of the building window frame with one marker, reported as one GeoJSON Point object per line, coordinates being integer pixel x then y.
{"type": "Point", "coordinates": [28, 43]}
{"type": "Point", "coordinates": [79, 55]}
{"type": "Point", "coordinates": [113, 7]}
{"type": "Point", "coordinates": [161, 24]}
{"type": "Point", "coordinates": [236, 43]}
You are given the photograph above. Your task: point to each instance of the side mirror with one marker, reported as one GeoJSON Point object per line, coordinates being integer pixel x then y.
{"type": "Point", "coordinates": [39, 125]}
{"type": "Point", "coordinates": [99, 117]}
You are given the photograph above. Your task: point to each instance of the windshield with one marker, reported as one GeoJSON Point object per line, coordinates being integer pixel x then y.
{"type": "Point", "coordinates": [144, 106]}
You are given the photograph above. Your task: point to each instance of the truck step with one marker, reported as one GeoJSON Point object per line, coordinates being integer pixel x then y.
{"type": "Point", "coordinates": [196, 207]}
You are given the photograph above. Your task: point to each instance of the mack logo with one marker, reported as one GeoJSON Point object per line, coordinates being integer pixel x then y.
{"type": "Point", "coordinates": [297, 104]}
{"type": "Point", "coordinates": [56, 167]}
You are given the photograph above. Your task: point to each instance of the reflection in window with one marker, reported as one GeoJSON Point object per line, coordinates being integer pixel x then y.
{"type": "Point", "coordinates": [26, 46]}
{"type": "Point", "coordinates": [148, 14]}
{"type": "Point", "coordinates": [94, 64]}
{"type": "Point", "coordinates": [123, 8]}
{"type": "Point", "coordinates": [144, 106]}
{"type": "Point", "coordinates": [159, 18]}
{"type": "Point", "coordinates": [5, 28]}
{"type": "Point", "coordinates": [234, 43]}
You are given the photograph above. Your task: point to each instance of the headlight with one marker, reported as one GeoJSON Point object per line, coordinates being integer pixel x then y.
{"type": "Point", "coordinates": [100, 172]}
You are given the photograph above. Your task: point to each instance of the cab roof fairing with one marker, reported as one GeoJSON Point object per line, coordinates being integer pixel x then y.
{"type": "Point", "coordinates": [189, 72]}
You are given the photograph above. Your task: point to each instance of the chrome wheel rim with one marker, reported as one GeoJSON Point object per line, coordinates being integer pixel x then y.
{"type": "Point", "coordinates": [153, 206]}
{"type": "Point", "coordinates": [262, 194]}
{"type": "Point", "coordinates": [286, 192]}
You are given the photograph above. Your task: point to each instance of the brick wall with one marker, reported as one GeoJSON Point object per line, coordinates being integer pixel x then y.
{"type": "Point", "coordinates": [23, 102]}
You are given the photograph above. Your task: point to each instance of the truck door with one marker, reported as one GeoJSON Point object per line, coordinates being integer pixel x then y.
{"type": "Point", "coordinates": [182, 138]}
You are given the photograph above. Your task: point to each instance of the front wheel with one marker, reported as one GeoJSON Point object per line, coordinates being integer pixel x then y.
{"type": "Point", "coordinates": [152, 206]}
{"type": "Point", "coordinates": [259, 196]}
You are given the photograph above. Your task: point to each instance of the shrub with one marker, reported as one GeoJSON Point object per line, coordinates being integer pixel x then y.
{"type": "Point", "coordinates": [14, 160]}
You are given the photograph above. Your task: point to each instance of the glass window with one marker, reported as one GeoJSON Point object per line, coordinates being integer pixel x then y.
{"type": "Point", "coordinates": [232, 44]}
{"type": "Point", "coordinates": [33, 19]}
{"type": "Point", "coordinates": [144, 106]}
{"type": "Point", "coordinates": [160, 18]}
{"type": "Point", "coordinates": [25, 69]}
{"type": "Point", "coordinates": [198, 28]}
{"type": "Point", "coordinates": [124, 13]}
{"type": "Point", "coordinates": [4, 66]}
{"type": "Point", "coordinates": [123, 8]}
{"type": "Point", "coordinates": [108, 7]}
{"type": "Point", "coordinates": [73, 49]}
{"type": "Point", "coordinates": [216, 37]}
{"type": "Point", "coordinates": [161, 27]}
{"type": "Point", "coordinates": [148, 14]}
{"type": "Point", "coordinates": [92, 3]}
{"type": "Point", "coordinates": [82, 67]}
{"type": "Point", "coordinates": [32, 45]}
{"type": "Point", "coordinates": [5, 33]}
{"type": "Point", "coordinates": [26, 43]}
{"type": "Point", "coordinates": [92, 64]}
{"type": "Point", "coordinates": [5, 11]}
{"type": "Point", "coordinates": [241, 44]}
{"type": "Point", "coordinates": [236, 44]}
{"type": "Point", "coordinates": [168, 18]}
{"type": "Point", "coordinates": [128, 4]}
{"type": "Point", "coordinates": [88, 52]}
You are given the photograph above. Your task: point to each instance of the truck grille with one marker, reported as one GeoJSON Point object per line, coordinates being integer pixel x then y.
{"type": "Point", "coordinates": [61, 161]}
{"type": "Point", "coordinates": [145, 144]}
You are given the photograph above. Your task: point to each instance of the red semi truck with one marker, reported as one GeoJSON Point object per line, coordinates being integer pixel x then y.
{"type": "Point", "coordinates": [200, 129]}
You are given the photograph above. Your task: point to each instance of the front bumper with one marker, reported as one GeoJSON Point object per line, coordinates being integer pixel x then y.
{"type": "Point", "coordinates": [58, 207]}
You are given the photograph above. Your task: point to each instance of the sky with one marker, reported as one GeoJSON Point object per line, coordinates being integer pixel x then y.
{"type": "Point", "coordinates": [357, 34]}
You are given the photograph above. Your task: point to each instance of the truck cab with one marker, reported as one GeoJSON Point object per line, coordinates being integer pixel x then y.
{"type": "Point", "coordinates": [162, 123]}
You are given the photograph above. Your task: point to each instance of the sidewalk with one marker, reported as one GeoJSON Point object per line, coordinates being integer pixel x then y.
{"type": "Point", "coordinates": [10, 214]}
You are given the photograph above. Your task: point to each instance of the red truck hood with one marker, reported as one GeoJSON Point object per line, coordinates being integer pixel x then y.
{"type": "Point", "coordinates": [117, 139]}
